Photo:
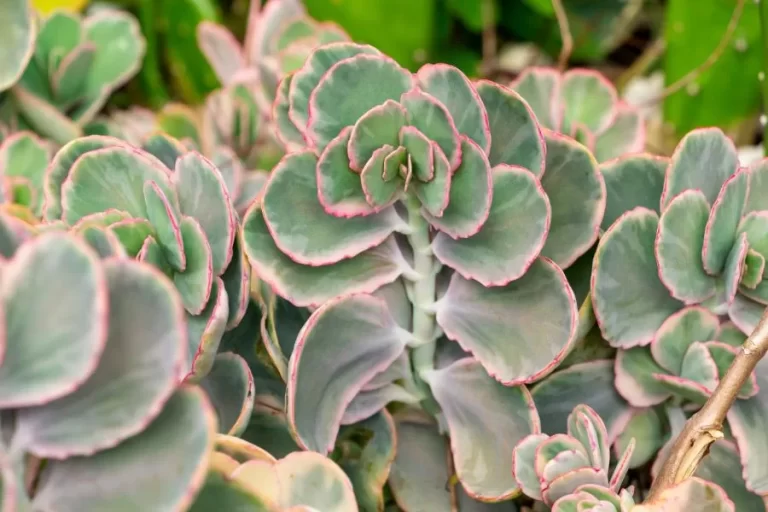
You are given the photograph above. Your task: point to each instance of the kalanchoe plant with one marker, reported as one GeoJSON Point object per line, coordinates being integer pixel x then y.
{"type": "Point", "coordinates": [76, 65]}
{"type": "Point", "coordinates": [172, 211]}
{"type": "Point", "coordinates": [549, 468]}
{"type": "Point", "coordinates": [685, 245]}
{"type": "Point", "coordinates": [583, 104]}
{"type": "Point", "coordinates": [24, 158]}
{"type": "Point", "coordinates": [243, 476]}
{"type": "Point", "coordinates": [93, 352]}
{"type": "Point", "coordinates": [420, 214]}
{"type": "Point", "coordinates": [279, 37]}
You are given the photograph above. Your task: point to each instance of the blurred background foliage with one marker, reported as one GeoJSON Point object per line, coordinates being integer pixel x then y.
{"type": "Point", "coordinates": [641, 45]}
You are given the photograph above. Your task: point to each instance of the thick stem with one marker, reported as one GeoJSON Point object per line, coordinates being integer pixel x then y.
{"type": "Point", "coordinates": [423, 290]}
{"type": "Point", "coordinates": [705, 427]}
{"type": "Point", "coordinates": [763, 6]}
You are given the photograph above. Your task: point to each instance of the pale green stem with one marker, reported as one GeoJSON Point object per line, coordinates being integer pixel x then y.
{"type": "Point", "coordinates": [423, 290]}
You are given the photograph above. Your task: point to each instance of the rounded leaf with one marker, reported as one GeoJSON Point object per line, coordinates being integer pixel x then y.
{"type": "Point", "coordinates": [723, 223]}
{"type": "Point", "coordinates": [632, 181]}
{"type": "Point", "coordinates": [194, 283]}
{"type": "Point", "coordinates": [229, 386]}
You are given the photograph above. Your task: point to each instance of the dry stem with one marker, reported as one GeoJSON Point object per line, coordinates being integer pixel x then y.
{"type": "Point", "coordinates": [705, 427]}
{"type": "Point", "coordinates": [565, 34]}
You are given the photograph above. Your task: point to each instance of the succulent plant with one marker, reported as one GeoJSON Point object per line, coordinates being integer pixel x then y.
{"type": "Point", "coordinates": [414, 197]}
{"type": "Point", "coordinates": [165, 206]}
{"type": "Point", "coordinates": [278, 40]}
{"type": "Point", "coordinates": [18, 40]}
{"type": "Point", "coordinates": [243, 476]}
{"type": "Point", "coordinates": [23, 160]}
{"type": "Point", "coordinates": [76, 65]}
{"type": "Point", "coordinates": [670, 266]}
{"type": "Point", "coordinates": [549, 468]}
{"type": "Point", "coordinates": [583, 104]}
{"type": "Point", "coordinates": [93, 351]}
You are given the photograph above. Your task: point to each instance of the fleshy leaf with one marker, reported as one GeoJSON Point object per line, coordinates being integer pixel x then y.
{"type": "Point", "coordinates": [523, 457]}
{"type": "Point", "coordinates": [647, 428]}
{"type": "Point", "coordinates": [723, 467]}
{"type": "Point", "coordinates": [348, 90]}
{"type": "Point", "coordinates": [165, 220]}
{"type": "Point", "coordinates": [143, 359]}
{"type": "Point", "coordinates": [290, 198]}
{"type": "Point", "coordinates": [203, 195]}
{"type": "Point", "coordinates": [629, 300]}
{"type": "Point", "coordinates": [24, 155]}
{"type": "Point", "coordinates": [377, 127]}
{"type": "Point", "coordinates": [586, 425]}
{"type": "Point", "coordinates": [339, 189]}
{"type": "Point", "coordinates": [311, 479]}
{"type": "Point", "coordinates": [221, 49]}
{"type": "Point", "coordinates": [435, 194]}
{"type": "Point", "coordinates": [510, 239]}
{"type": "Point", "coordinates": [41, 330]}
{"type": "Point", "coordinates": [515, 135]}
{"type": "Point", "coordinates": [339, 349]}
{"type": "Point", "coordinates": [237, 282]}
{"type": "Point", "coordinates": [735, 267]}
{"type": "Point", "coordinates": [703, 160]}
{"type": "Point", "coordinates": [112, 177]}
{"type": "Point", "coordinates": [486, 420]}
{"type": "Point", "coordinates": [165, 148]}
{"type": "Point", "coordinates": [723, 356]}
{"type": "Point", "coordinates": [368, 402]}
{"type": "Point", "coordinates": [378, 192]}
{"type": "Point", "coordinates": [204, 333]}
{"type": "Point", "coordinates": [754, 269]}
{"type": "Point", "coordinates": [635, 370]}
{"type": "Point", "coordinates": [311, 286]}
{"type": "Point", "coordinates": [587, 98]}
{"type": "Point", "coordinates": [163, 467]}
{"type": "Point", "coordinates": [132, 233]}
{"type": "Point", "coordinates": [421, 153]}
{"type": "Point", "coordinates": [420, 472]}
{"type": "Point", "coordinates": [484, 322]}
{"type": "Point", "coordinates": [106, 244]}
{"type": "Point", "coordinates": [569, 482]}
{"type": "Point", "coordinates": [631, 181]}
{"type": "Point", "coordinates": [722, 225]}
{"type": "Point", "coordinates": [430, 117]}
{"type": "Point", "coordinates": [577, 195]}
{"type": "Point", "coordinates": [229, 386]}
{"type": "Point", "coordinates": [194, 284]}
{"type": "Point", "coordinates": [680, 330]}
{"type": "Point", "coordinates": [691, 493]}
{"type": "Point", "coordinates": [18, 28]}
{"type": "Point", "coordinates": [306, 79]}
{"type": "Point", "coordinates": [679, 247]}
{"type": "Point", "coordinates": [590, 383]}
{"type": "Point", "coordinates": [625, 135]}
{"type": "Point", "coordinates": [540, 87]}
{"type": "Point", "coordinates": [456, 93]}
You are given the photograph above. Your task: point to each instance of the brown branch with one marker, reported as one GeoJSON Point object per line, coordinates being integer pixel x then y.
{"type": "Point", "coordinates": [708, 63]}
{"type": "Point", "coordinates": [490, 43]}
{"type": "Point", "coordinates": [705, 427]}
{"type": "Point", "coordinates": [565, 34]}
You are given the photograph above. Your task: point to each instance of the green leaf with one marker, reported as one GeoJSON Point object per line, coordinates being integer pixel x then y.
{"type": "Point", "coordinates": [515, 135]}
{"type": "Point", "coordinates": [679, 244]}
{"type": "Point", "coordinates": [632, 181]}
{"type": "Point", "coordinates": [24, 155]}
{"type": "Point", "coordinates": [111, 178]}
{"type": "Point", "coordinates": [723, 356]}
{"type": "Point", "coordinates": [142, 359]}
{"type": "Point", "coordinates": [691, 36]}
{"type": "Point", "coordinates": [722, 226]}
{"type": "Point", "coordinates": [486, 420]}
{"type": "Point", "coordinates": [237, 283]}
{"type": "Point", "coordinates": [589, 99]}
{"type": "Point", "coordinates": [44, 118]}
{"type": "Point", "coordinates": [420, 472]}
{"type": "Point", "coordinates": [539, 306]}
{"type": "Point", "coordinates": [745, 313]}
{"type": "Point", "coordinates": [377, 127]}
{"type": "Point", "coordinates": [18, 41]}
{"type": "Point", "coordinates": [229, 386]}
{"type": "Point", "coordinates": [691, 492]}
{"type": "Point", "coordinates": [340, 191]}
{"type": "Point", "coordinates": [287, 132]}
{"type": "Point", "coordinates": [723, 467]}
{"type": "Point", "coordinates": [307, 285]}
{"type": "Point", "coordinates": [203, 195]}
{"type": "Point", "coordinates": [180, 122]}
{"type": "Point", "coordinates": [341, 347]}
{"type": "Point", "coordinates": [675, 335]}
{"type": "Point", "coordinates": [704, 160]}
{"type": "Point", "coordinates": [625, 135]}
{"type": "Point", "coordinates": [306, 79]}
{"type": "Point", "coordinates": [735, 267]}
{"type": "Point", "coordinates": [510, 239]}
{"type": "Point", "coordinates": [106, 243]}
{"type": "Point", "coordinates": [629, 300]}
{"type": "Point", "coordinates": [194, 283]}
{"type": "Point", "coordinates": [590, 383]}
{"type": "Point", "coordinates": [456, 93]}
{"type": "Point", "coordinates": [350, 89]}
{"type": "Point", "coordinates": [119, 50]}
{"type": "Point", "coordinates": [220, 491]}
{"type": "Point", "coordinates": [369, 472]}
{"type": "Point", "coordinates": [635, 377]}
{"type": "Point", "coordinates": [164, 217]}
{"type": "Point", "coordinates": [586, 425]}
{"type": "Point", "coordinates": [204, 333]}
{"type": "Point", "coordinates": [435, 194]}
{"type": "Point", "coordinates": [290, 198]}
{"type": "Point", "coordinates": [523, 457]}
{"type": "Point", "coordinates": [370, 401]}
{"type": "Point", "coordinates": [647, 428]}
{"type": "Point", "coordinates": [41, 330]}
{"type": "Point", "coordinates": [540, 88]}
{"type": "Point", "coordinates": [431, 118]}
{"type": "Point", "coordinates": [167, 149]}
{"type": "Point", "coordinates": [161, 468]}
{"type": "Point", "coordinates": [754, 270]}
{"type": "Point", "coordinates": [470, 195]}
{"type": "Point", "coordinates": [380, 193]}
{"type": "Point", "coordinates": [69, 81]}
{"type": "Point", "coordinates": [421, 156]}
{"type": "Point", "coordinates": [132, 233]}
{"type": "Point", "coordinates": [569, 482]}
{"type": "Point", "coordinates": [577, 195]}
